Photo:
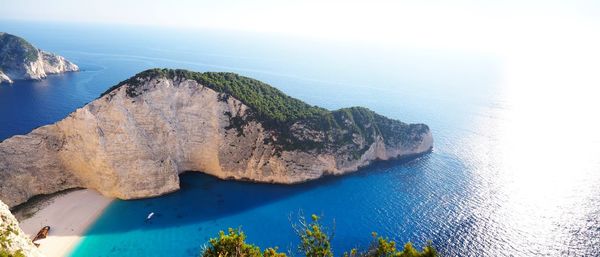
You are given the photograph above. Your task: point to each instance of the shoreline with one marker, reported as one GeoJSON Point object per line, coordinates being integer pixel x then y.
{"type": "Point", "coordinates": [69, 215]}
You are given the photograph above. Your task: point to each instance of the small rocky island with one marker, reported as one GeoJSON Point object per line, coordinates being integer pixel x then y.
{"type": "Point", "coordinates": [137, 137]}
{"type": "Point", "coordinates": [19, 60]}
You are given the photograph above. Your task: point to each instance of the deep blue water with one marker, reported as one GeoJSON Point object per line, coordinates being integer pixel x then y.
{"type": "Point", "coordinates": [477, 194]}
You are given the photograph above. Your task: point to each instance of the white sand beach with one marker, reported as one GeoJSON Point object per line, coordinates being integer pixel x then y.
{"type": "Point", "coordinates": [68, 215]}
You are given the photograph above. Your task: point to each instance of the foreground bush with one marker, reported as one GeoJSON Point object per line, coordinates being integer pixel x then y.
{"type": "Point", "coordinates": [315, 241]}
{"type": "Point", "coordinates": [233, 244]}
{"type": "Point", "coordinates": [383, 247]}
{"type": "Point", "coordinates": [6, 253]}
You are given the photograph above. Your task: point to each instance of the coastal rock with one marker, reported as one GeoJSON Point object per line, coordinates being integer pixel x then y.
{"type": "Point", "coordinates": [19, 60]}
{"type": "Point", "coordinates": [4, 78]}
{"type": "Point", "coordinates": [12, 238]}
{"type": "Point", "coordinates": [136, 139]}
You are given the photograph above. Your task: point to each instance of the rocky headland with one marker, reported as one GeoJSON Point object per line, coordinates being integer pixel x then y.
{"type": "Point", "coordinates": [137, 137]}
{"type": "Point", "coordinates": [19, 60]}
{"type": "Point", "coordinates": [13, 242]}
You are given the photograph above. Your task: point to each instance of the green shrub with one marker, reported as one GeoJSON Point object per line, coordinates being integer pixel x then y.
{"type": "Point", "coordinates": [233, 244]}
{"type": "Point", "coordinates": [383, 247]}
{"type": "Point", "coordinates": [5, 253]}
{"type": "Point", "coordinates": [315, 241]}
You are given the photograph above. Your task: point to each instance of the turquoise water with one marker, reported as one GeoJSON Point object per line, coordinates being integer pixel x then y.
{"type": "Point", "coordinates": [491, 187]}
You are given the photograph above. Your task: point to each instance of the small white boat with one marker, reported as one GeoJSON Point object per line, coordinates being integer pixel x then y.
{"type": "Point", "coordinates": [150, 216]}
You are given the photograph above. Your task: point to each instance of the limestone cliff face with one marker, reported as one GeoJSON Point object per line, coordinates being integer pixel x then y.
{"type": "Point", "coordinates": [4, 78]}
{"type": "Point", "coordinates": [136, 139]}
{"type": "Point", "coordinates": [20, 60]}
{"type": "Point", "coordinates": [12, 239]}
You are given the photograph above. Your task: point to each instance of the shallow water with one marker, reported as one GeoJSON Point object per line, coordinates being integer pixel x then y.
{"type": "Point", "coordinates": [503, 180]}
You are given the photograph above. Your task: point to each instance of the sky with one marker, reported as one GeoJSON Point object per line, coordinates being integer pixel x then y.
{"type": "Point", "coordinates": [419, 22]}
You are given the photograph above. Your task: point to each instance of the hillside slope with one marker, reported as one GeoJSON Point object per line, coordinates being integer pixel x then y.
{"type": "Point", "coordinates": [19, 60]}
{"type": "Point", "coordinates": [136, 139]}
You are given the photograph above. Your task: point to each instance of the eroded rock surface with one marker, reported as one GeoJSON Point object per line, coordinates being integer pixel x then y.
{"type": "Point", "coordinates": [136, 139]}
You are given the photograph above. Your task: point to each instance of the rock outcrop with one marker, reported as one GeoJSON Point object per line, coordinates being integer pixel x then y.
{"type": "Point", "coordinates": [4, 78]}
{"type": "Point", "coordinates": [20, 60]}
{"type": "Point", "coordinates": [12, 238]}
{"type": "Point", "coordinates": [136, 139]}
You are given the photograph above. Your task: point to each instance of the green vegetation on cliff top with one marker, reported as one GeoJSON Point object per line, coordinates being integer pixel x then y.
{"type": "Point", "coordinates": [266, 100]}
{"type": "Point", "coordinates": [277, 110]}
{"type": "Point", "coordinates": [15, 50]}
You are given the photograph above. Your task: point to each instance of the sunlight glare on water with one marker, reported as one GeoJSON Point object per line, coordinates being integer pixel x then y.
{"type": "Point", "coordinates": [537, 162]}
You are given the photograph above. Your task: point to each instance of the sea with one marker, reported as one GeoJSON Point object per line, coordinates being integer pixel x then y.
{"type": "Point", "coordinates": [515, 169]}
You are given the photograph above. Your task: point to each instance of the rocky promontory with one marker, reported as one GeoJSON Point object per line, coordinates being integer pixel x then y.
{"type": "Point", "coordinates": [137, 137]}
{"type": "Point", "coordinates": [19, 60]}
{"type": "Point", "coordinates": [13, 242]}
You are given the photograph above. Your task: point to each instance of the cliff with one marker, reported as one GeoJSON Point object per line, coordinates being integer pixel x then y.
{"type": "Point", "coordinates": [136, 139]}
{"type": "Point", "coordinates": [21, 60]}
{"type": "Point", "coordinates": [13, 242]}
